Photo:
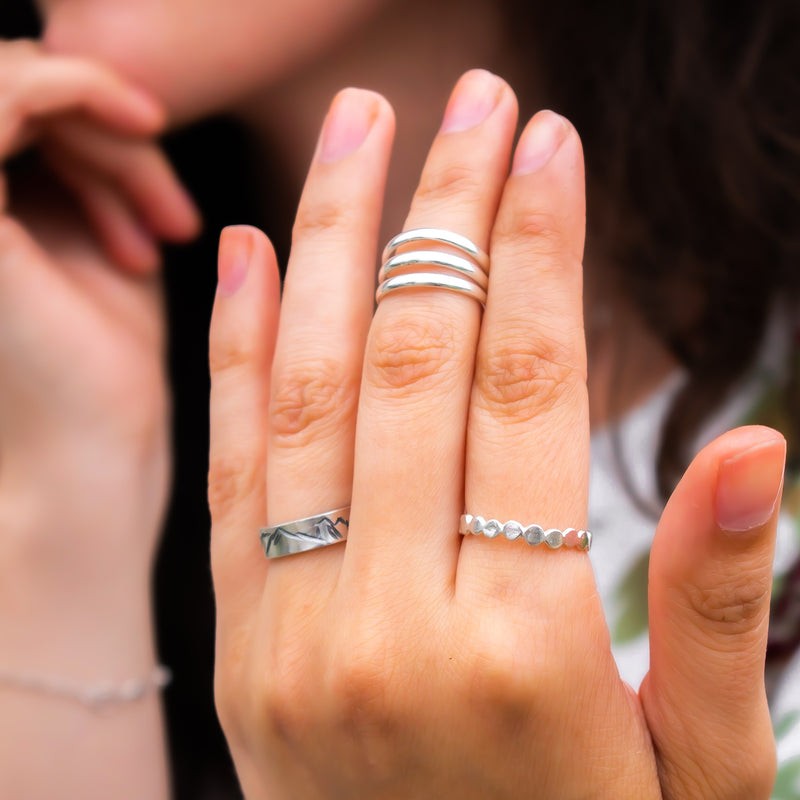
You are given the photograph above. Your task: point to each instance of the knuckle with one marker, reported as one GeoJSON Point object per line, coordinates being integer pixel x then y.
{"type": "Point", "coordinates": [500, 691]}
{"type": "Point", "coordinates": [319, 219]}
{"type": "Point", "coordinates": [282, 701]}
{"type": "Point", "coordinates": [533, 232]}
{"type": "Point", "coordinates": [734, 605]}
{"type": "Point", "coordinates": [456, 181]}
{"type": "Point", "coordinates": [312, 399]}
{"type": "Point", "coordinates": [519, 379]}
{"type": "Point", "coordinates": [232, 479]}
{"type": "Point", "coordinates": [408, 352]}
{"type": "Point", "coordinates": [361, 683]}
{"type": "Point", "coordinates": [226, 356]}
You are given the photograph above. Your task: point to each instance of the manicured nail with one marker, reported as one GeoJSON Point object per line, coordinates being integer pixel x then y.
{"type": "Point", "coordinates": [475, 97]}
{"type": "Point", "coordinates": [235, 252]}
{"type": "Point", "coordinates": [539, 142]}
{"type": "Point", "coordinates": [348, 122]}
{"type": "Point", "coordinates": [749, 484]}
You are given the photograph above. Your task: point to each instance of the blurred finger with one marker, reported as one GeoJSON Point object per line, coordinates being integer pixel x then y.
{"type": "Point", "coordinates": [34, 84]}
{"type": "Point", "coordinates": [140, 170]}
{"type": "Point", "coordinates": [123, 236]}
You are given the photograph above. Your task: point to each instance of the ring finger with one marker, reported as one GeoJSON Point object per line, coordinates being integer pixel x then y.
{"type": "Point", "coordinates": [325, 315]}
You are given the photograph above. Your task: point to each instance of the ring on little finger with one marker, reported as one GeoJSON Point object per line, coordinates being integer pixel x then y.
{"type": "Point", "coordinates": [532, 534]}
{"type": "Point", "coordinates": [308, 533]}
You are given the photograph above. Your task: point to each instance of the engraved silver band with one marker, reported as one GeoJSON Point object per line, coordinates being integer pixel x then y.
{"type": "Point", "coordinates": [532, 534]}
{"type": "Point", "coordinates": [465, 271]}
{"type": "Point", "coordinates": [304, 534]}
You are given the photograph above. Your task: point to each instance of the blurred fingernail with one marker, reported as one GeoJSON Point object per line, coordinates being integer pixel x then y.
{"type": "Point", "coordinates": [148, 110]}
{"type": "Point", "coordinates": [348, 122]}
{"type": "Point", "coordinates": [475, 97]}
{"type": "Point", "coordinates": [749, 484]}
{"type": "Point", "coordinates": [539, 142]}
{"type": "Point", "coordinates": [235, 252]}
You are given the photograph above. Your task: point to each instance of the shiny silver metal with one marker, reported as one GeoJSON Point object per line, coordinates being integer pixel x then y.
{"type": "Point", "coordinates": [405, 262]}
{"type": "Point", "coordinates": [308, 533]}
{"type": "Point", "coordinates": [431, 280]}
{"type": "Point", "coordinates": [437, 236]}
{"type": "Point", "coordinates": [532, 534]}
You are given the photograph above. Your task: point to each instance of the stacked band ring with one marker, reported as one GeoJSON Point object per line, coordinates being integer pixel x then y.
{"type": "Point", "coordinates": [532, 534]}
{"type": "Point", "coordinates": [448, 261]}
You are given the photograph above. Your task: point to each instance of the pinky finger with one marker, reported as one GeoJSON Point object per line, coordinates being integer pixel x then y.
{"type": "Point", "coordinates": [125, 239]}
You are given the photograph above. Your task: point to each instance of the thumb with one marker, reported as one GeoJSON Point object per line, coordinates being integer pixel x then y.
{"type": "Point", "coordinates": [710, 584]}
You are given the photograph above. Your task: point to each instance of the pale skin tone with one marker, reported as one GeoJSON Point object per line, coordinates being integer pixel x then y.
{"type": "Point", "coordinates": [494, 676]}
{"type": "Point", "coordinates": [477, 596]}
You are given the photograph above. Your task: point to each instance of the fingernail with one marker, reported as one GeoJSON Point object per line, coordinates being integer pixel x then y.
{"type": "Point", "coordinates": [147, 108]}
{"type": "Point", "coordinates": [348, 122]}
{"type": "Point", "coordinates": [235, 252]}
{"type": "Point", "coordinates": [749, 484]}
{"type": "Point", "coordinates": [475, 97]}
{"type": "Point", "coordinates": [539, 142]}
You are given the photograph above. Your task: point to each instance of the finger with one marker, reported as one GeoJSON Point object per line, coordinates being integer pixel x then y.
{"type": "Point", "coordinates": [35, 85]}
{"type": "Point", "coordinates": [140, 170]}
{"type": "Point", "coordinates": [419, 359]}
{"type": "Point", "coordinates": [710, 583]}
{"type": "Point", "coordinates": [242, 340]}
{"type": "Point", "coordinates": [528, 437]}
{"type": "Point", "coordinates": [126, 240]}
{"type": "Point", "coordinates": [325, 315]}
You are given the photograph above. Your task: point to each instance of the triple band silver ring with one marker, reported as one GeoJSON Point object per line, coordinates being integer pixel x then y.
{"type": "Point", "coordinates": [440, 259]}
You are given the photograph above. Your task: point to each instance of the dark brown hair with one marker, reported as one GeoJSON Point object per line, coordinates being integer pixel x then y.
{"type": "Point", "coordinates": [689, 112]}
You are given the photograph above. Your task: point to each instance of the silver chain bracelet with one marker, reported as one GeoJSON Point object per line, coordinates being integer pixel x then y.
{"type": "Point", "coordinates": [92, 695]}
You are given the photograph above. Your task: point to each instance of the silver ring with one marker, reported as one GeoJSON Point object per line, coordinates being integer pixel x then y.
{"type": "Point", "coordinates": [438, 236]}
{"type": "Point", "coordinates": [434, 258]}
{"type": "Point", "coordinates": [431, 280]}
{"type": "Point", "coordinates": [532, 534]}
{"type": "Point", "coordinates": [304, 534]}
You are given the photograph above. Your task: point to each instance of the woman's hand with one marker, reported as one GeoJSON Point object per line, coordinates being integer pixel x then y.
{"type": "Point", "coordinates": [83, 401]}
{"type": "Point", "coordinates": [84, 436]}
{"type": "Point", "coordinates": [413, 662]}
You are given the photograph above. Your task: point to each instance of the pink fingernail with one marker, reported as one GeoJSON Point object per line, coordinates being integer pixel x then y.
{"type": "Point", "coordinates": [475, 97]}
{"type": "Point", "coordinates": [349, 120]}
{"type": "Point", "coordinates": [235, 251]}
{"type": "Point", "coordinates": [749, 484]}
{"type": "Point", "coordinates": [539, 142]}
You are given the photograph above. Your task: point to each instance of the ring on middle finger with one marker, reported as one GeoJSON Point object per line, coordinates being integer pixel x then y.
{"type": "Point", "coordinates": [464, 271]}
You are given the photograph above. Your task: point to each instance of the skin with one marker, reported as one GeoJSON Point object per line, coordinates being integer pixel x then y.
{"type": "Point", "coordinates": [526, 406]}
{"type": "Point", "coordinates": [357, 687]}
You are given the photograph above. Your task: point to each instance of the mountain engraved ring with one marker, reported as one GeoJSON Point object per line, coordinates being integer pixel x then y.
{"type": "Point", "coordinates": [308, 533]}
{"type": "Point", "coordinates": [532, 534]}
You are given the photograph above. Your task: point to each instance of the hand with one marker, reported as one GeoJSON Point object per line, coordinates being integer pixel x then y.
{"type": "Point", "coordinates": [412, 662]}
{"type": "Point", "coordinates": [83, 400]}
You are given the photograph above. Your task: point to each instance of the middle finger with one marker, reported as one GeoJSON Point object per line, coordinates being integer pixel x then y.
{"type": "Point", "coordinates": [408, 480]}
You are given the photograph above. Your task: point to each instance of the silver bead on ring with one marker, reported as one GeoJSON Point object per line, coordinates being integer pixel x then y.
{"type": "Point", "coordinates": [532, 534]}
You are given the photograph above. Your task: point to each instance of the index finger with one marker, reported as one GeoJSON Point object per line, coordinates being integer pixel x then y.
{"type": "Point", "coordinates": [34, 85]}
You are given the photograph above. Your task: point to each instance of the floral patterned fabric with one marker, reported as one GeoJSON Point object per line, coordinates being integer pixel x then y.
{"type": "Point", "coordinates": [620, 554]}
